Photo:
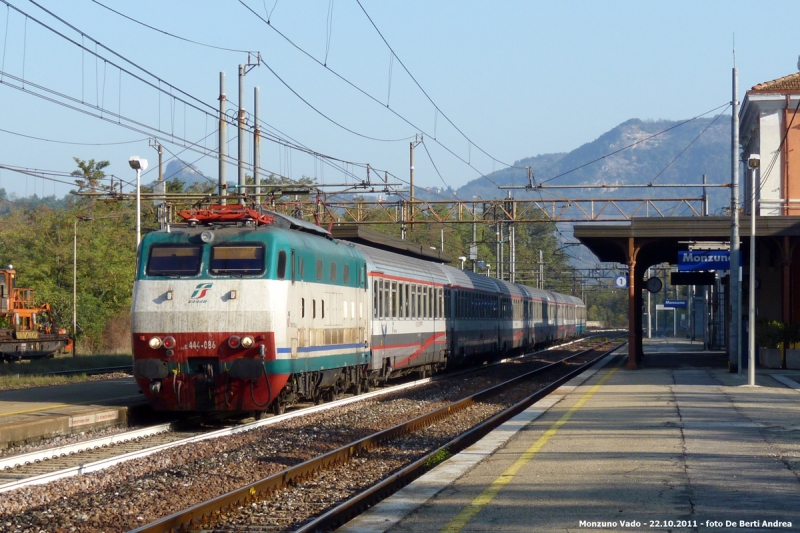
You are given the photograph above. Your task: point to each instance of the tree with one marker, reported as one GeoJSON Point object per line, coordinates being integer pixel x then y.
{"type": "Point", "coordinates": [90, 174]}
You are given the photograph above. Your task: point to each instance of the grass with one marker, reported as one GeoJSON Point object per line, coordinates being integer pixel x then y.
{"type": "Point", "coordinates": [32, 373]}
{"type": "Point", "coordinates": [439, 457]}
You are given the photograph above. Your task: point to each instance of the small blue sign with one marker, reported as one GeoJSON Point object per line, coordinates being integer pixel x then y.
{"type": "Point", "coordinates": [699, 260]}
{"type": "Point", "coordinates": [675, 303]}
{"type": "Point", "coordinates": [621, 282]}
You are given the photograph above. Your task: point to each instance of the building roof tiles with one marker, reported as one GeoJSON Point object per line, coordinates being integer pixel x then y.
{"type": "Point", "coordinates": [786, 83]}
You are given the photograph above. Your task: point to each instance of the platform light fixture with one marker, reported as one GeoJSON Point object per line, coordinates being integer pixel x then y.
{"type": "Point", "coordinates": [138, 164]}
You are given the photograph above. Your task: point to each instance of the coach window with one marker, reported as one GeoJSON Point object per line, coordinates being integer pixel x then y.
{"type": "Point", "coordinates": [374, 298]}
{"type": "Point", "coordinates": [313, 309]}
{"type": "Point", "coordinates": [346, 274]}
{"type": "Point", "coordinates": [319, 269]}
{"type": "Point", "coordinates": [380, 299]}
{"type": "Point", "coordinates": [393, 300]}
{"type": "Point", "coordinates": [333, 272]}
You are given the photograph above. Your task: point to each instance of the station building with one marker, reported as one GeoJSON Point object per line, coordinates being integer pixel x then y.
{"type": "Point", "coordinates": [769, 126]}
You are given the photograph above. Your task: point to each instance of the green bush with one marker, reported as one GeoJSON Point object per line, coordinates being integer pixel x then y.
{"type": "Point", "coordinates": [770, 333]}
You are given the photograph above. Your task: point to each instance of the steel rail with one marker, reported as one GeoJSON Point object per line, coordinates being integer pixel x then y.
{"type": "Point", "coordinates": [102, 464]}
{"type": "Point", "coordinates": [364, 500]}
{"type": "Point", "coordinates": [211, 508]}
{"type": "Point", "coordinates": [13, 461]}
{"type": "Point", "coordinates": [91, 371]}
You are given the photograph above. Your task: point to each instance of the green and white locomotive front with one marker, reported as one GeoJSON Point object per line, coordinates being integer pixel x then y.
{"type": "Point", "coordinates": [206, 303]}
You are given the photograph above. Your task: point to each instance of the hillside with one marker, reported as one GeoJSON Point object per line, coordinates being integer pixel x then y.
{"type": "Point", "coordinates": [707, 153]}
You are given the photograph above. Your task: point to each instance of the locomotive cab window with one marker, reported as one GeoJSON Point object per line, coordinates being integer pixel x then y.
{"type": "Point", "coordinates": [174, 260]}
{"type": "Point", "coordinates": [242, 259]}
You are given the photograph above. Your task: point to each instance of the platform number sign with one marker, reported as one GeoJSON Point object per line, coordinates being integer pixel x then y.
{"type": "Point", "coordinates": [621, 281]}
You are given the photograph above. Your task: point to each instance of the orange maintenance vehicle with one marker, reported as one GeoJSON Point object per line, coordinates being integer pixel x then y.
{"type": "Point", "coordinates": [27, 331]}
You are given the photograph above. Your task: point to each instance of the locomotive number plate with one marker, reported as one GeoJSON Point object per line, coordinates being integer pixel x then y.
{"type": "Point", "coordinates": [202, 345]}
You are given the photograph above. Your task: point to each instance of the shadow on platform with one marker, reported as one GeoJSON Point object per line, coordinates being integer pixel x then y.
{"type": "Point", "coordinates": [674, 352]}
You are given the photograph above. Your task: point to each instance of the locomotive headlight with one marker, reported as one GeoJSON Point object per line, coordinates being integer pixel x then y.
{"type": "Point", "coordinates": [169, 343]}
{"type": "Point", "coordinates": [155, 343]}
{"type": "Point", "coordinates": [247, 341]}
{"type": "Point", "coordinates": [234, 341]}
{"type": "Point", "coordinates": [207, 236]}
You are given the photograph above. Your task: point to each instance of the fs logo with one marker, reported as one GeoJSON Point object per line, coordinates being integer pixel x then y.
{"type": "Point", "coordinates": [200, 293]}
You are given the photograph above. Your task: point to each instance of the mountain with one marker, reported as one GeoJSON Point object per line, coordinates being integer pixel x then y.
{"type": "Point", "coordinates": [671, 152]}
{"type": "Point", "coordinates": [185, 172]}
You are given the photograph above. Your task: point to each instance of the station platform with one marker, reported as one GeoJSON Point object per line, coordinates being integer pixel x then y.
{"type": "Point", "coordinates": [678, 445]}
{"type": "Point", "coordinates": [27, 415]}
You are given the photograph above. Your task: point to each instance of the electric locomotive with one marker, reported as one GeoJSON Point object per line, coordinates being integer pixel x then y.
{"type": "Point", "coordinates": [245, 310]}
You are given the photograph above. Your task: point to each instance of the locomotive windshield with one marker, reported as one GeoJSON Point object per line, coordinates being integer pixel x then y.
{"type": "Point", "coordinates": [174, 260]}
{"type": "Point", "coordinates": [239, 259]}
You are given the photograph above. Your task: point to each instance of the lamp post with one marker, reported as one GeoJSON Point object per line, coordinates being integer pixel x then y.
{"type": "Point", "coordinates": [753, 161]}
{"type": "Point", "coordinates": [138, 164]}
{"type": "Point", "coordinates": [462, 259]}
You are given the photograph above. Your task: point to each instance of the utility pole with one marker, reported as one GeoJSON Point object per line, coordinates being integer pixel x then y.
{"type": "Point", "coordinates": [223, 145]}
{"type": "Point", "coordinates": [541, 271]}
{"type": "Point", "coordinates": [256, 147]}
{"type": "Point", "coordinates": [241, 121]}
{"type": "Point", "coordinates": [735, 280]}
{"type": "Point", "coordinates": [417, 139]}
{"type": "Point", "coordinates": [474, 246]}
{"type": "Point", "coordinates": [160, 186]}
{"type": "Point", "coordinates": [514, 256]}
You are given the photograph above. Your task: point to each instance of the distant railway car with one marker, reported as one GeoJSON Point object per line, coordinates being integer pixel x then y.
{"type": "Point", "coordinates": [245, 311]}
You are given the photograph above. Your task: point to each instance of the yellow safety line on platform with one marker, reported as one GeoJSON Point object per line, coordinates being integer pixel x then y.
{"type": "Point", "coordinates": [457, 524]}
{"type": "Point", "coordinates": [59, 405]}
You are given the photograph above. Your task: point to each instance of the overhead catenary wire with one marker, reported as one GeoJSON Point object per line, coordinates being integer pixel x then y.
{"type": "Point", "coordinates": [70, 142]}
{"type": "Point", "coordinates": [640, 141]}
{"type": "Point", "coordinates": [438, 109]}
{"type": "Point", "coordinates": [365, 93]}
{"type": "Point", "coordinates": [689, 145]}
{"type": "Point", "coordinates": [123, 15]}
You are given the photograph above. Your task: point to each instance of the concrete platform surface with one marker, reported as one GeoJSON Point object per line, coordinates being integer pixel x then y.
{"type": "Point", "coordinates": [34, 413]}
{"type": "Point", "coordinates": [676, 448]}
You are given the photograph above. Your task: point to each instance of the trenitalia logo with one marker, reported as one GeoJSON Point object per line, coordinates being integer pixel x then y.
{"type": "Point", "coordinates": [200, 292]}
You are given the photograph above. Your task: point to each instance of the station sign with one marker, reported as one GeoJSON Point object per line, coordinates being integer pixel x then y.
{"type": "Point", "coordinates": [621, 281]}
{"type": "Point", "coordinates": [675, 303]}
{"type": "Point", "coordinates": [699, 260]}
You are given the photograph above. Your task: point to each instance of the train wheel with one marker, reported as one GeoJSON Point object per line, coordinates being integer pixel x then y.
{"type": "Point", "coordinates": [278, 408]}
{"type": "Point", "coordinates": [259, 415]}
{"type": "Point", "coordinates": [357, 388]}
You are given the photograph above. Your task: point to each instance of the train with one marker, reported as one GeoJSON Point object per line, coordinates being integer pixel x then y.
{"type": "Point", "coordinates": [247, 310]}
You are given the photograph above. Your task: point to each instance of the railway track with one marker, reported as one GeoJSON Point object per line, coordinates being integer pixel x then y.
{"type": "Point", "coordinates": [173, 464]}
{"type": "Point", "coordinates": [326, 491]}
{"type": "Point", "coordinates": [52, 463]}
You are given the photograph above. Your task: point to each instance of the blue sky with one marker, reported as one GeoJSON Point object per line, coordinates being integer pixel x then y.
{"type": "Point", "coordinates": [517, 78]}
